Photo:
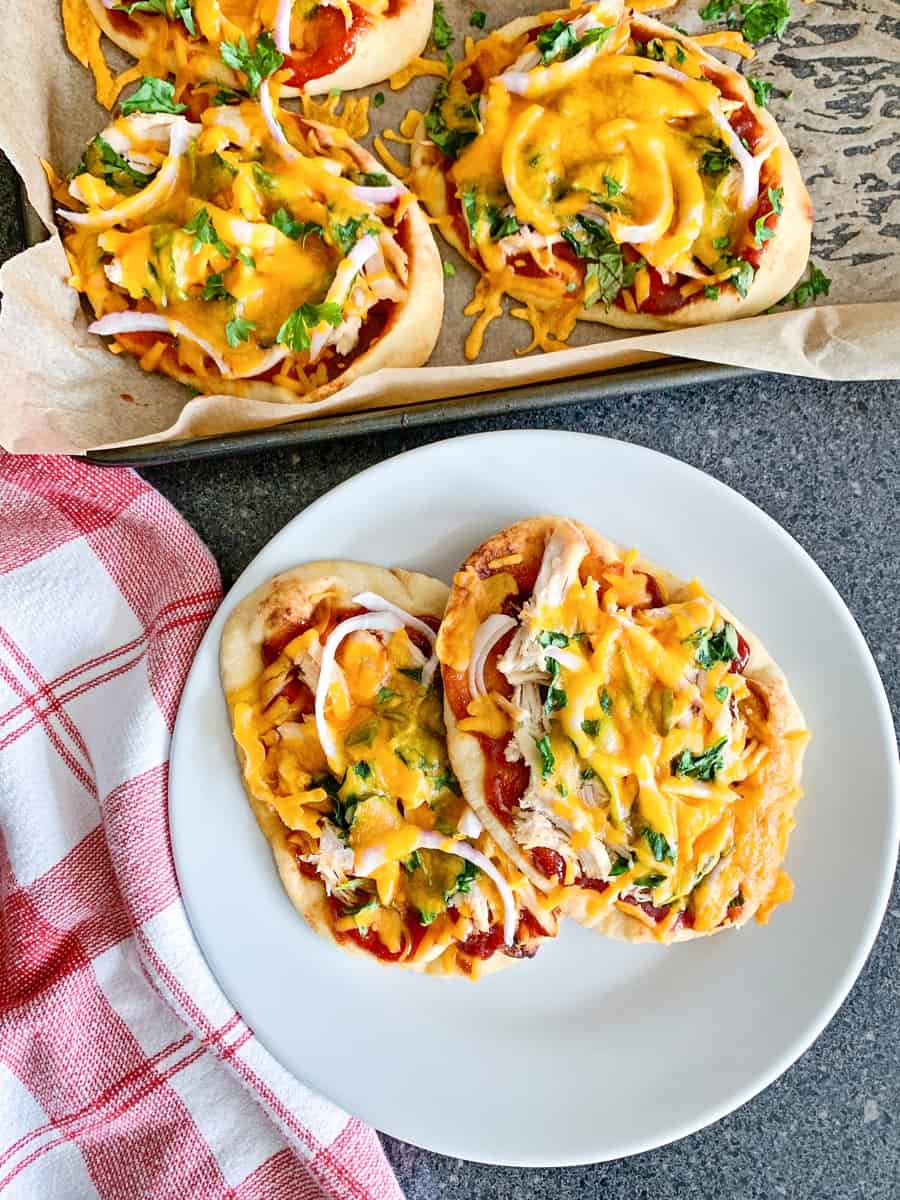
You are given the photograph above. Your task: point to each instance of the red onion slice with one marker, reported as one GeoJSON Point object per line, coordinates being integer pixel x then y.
{"type": "Point", "coordinates": [377, 195]}
{"type": "Point", "coordinates": [137, 322]}
{"type": "Point", "coordinates": [285, 149]}
{"type": "Point", "coordinates": [154, 193]}
{"type": "Point", "coordinates": [282, 31]}
{"type": "Point", "coordinates": [374, 621]}
{"type": "Point", "coordinates": [375, 603]}
{"type": "Point", "coordinates": [488, 634]}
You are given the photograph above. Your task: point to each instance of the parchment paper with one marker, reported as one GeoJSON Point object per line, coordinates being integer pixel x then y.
{"type": "Point", "coordinates": [65, 392]}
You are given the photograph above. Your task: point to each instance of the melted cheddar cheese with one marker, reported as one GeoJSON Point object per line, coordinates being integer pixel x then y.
{"type": "Point", "coordinates": [354, 818]}
{"type": "Point", "coordinates": [260, 261]}
{"type": "Point", "coordinates": [204, 41]}
{"type": "Point", "coordinates": [656, 783]}
{"type": "Point", "coordinates": [588, 162]}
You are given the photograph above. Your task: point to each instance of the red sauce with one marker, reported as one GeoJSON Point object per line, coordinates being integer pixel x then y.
{"type": "Point", "coordinates": [366, 939]}
{"type": "Point", "coordinates": [419, 639]}
{"type": "Point", "coordinates": [743, 655]}
{"type": "Point", "coordinates": [504, 782]}
{"type": "Point", "coordinates": [307, 869]}
{"type": "Point", "coordinates": [596, 885]}
{"type": "Point", "coordinates": [296, 692]}
{"type": "Point", "coordinates": [684, 920]}
{"type": "Point", "coordinates": [328, 44]}
{"type": "Point", "coordinates": [125, 24]}
{"type": "Point", "coordinates": [483, 945]}
{"type": "Point", "coordinates": [274, 645]}
{"type": "Point", "coordinates": [548, 862]}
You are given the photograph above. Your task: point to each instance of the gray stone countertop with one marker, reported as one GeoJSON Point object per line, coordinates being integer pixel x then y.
{"type": "Point", "coordinates": [824, 461]}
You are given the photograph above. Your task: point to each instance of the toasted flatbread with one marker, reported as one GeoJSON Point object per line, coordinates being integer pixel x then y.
{"type": "Point", "coordinates": [269, 269]}
{"type": "Point", "coordinates": [606, 185]}
{"type": "Point", "coordinates": [618, 767]}
{"type": "Point", "coordinates": [360, 47]}
{"type": "Point", "coordinates": [351, 802]}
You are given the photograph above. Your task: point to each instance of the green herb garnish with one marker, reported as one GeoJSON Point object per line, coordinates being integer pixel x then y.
{"type": "Point", "coordinates": [294, 333]}
{"type": "Point", "coordinates": [722, 693]}
{"type": "Point", "coordinates": [548, 759]}
{"type": "Point", "coordinates": [204, 231]}
{"type": "Point", "coordinates": [478, 18]}
{"type": "Point", "coordinates": [256, 64]}
{"type": "Point", "coordinates": [818, 284]}
{"type": "Point", "coordinates": [238, 330]}
{"type": "Point", "coordinates": [214, 289]}
{"type": "Point", "coordinates": [700, 766]}
{"type": "Point", "coordinates": [152, 96]}
{"type": "Point", "coordinates": [441, 33]}
{"type": "Point", "coordinates": [659, 847]}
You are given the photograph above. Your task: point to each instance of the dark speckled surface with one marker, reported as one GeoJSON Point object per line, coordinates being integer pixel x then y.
{"type": "Point", "coordinates": [824, 461]}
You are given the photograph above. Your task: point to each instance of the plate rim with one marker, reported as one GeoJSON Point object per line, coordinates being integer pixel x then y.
{"type": "Point", "coordinates": [855, 963]}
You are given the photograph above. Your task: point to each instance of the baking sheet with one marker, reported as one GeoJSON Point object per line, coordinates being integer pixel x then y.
{"type": "Point", "coordinates": [65, 392]}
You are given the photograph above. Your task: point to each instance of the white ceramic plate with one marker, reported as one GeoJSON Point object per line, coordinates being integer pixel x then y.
{"type": "Point", "coordinates": [594, 1049]}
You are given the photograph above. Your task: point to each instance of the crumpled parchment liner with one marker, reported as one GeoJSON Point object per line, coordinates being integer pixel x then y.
{"type": "Point", "coordinates": [66, 393]}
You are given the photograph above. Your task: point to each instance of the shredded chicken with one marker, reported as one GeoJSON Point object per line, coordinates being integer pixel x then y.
{"type": "Point", "coordinates": [308, 665]}
{"type": "Point", "coordinates": [474, 905]}
{"type": "Point", "coordinates": [334, 860]}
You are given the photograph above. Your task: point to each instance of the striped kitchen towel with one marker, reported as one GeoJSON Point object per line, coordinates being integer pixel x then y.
{"type": "Point", "coordinates": [124, 1071]}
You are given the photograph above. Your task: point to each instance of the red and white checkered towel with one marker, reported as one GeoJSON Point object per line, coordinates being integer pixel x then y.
{"type": "Point", "coordinates": [124, 1071]}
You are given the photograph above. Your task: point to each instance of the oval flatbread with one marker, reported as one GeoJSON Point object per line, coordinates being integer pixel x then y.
{"type": "Point", "coordinates": [346, 45]}
{"type": "Point", "coordinates": [597, 165]}
{"type": "Point", "coordinates": [627, 741]}
{"type": "Point", "coordinates": [335, 704]}
{"type": "Point", "coordinates": [255, 253]}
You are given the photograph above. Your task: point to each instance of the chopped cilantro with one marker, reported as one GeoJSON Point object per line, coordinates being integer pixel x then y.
{"type": "Point", "coordinates": [562, 789]}
{"type": "Point", "coordinates": [478, 18]}
{"type": "Point", "coordinates": [722, 693]}
{"type": "Point", "coordinates": [613, 187]}
{"type": "Point", "coordinates": [362, 769]}
{"type": "Point", "coordinates": [716, 161]}
{"type": "Point", "coordinates": [178, 10]}
{"type": "Point", "coordinates": [294, 333]}
{"type": "Point", "coordinates": [607, 272]}
{"type": "Point", "coordinates": [204, 231]}
{"type": "Point", "coordinates": [548, 759]}
{"type": "Point", "coordinates": [552, 637]}
{"type": "Point", "coordinates": [762, 90]}
{"type": "Point", "coordinates": [247, 259]}
{"type": "Point", "coordinates": [653, 49]}
{"type": "Point", "coordinates": [152, 96]}
{"type": "Point", "coordinates": [413, 863]}
{"type": "Point", "coordinates": [560, 41]}
{"type": "Point", "coordinates": [378, 100]}
{"type": "Point", "coordinates": [556, 699]}
{"type": "Point", "coordinates": [501, 225]}
{"type": "Point", "coordinates": [447, 782]}
{"type": "Point", "coordinates": [362, 735]}
{"type": "Point", "coordinates": [464, 880]}
{"type": "Point", "coordinates": [588, 773]}
{"type": "Point", "coordinates": [256, 64]}
{"type": "Point", "coordinates": [441, 33]}
{"type": "Point", "coordinates": [264, 178]}
{"type": "Point", "coordinates": [114, 167]}
{"type": "Point", "coordinates": [659, 847]}
{"type": "Point", "coordinates": [619, 867]}
{"type": "Point", "coordinates": [743, 276]}
{"type": "Point", "coordinates": [700, 766]}
{"type": "Point", "coordinates": [715, 647]}
{"type": "Point", "coordinates": [591, 728]}
{"type": "Point", "coordinates": [425, 918]}
{"type": "Point", "coordinates": [818, 284]}
{"type": "Point", "coordinates": [346, 235]}
{"type": "Point", "coordinates": [721, 243]}
{"type": "Point", "coordinates": [448, 141]}
{"type": "Point", "coordinates": [412, 673]}
{"type": "Point", "coordinates": [375, 179]}
{"type": "Point", "coordinates": [757, 19]}
{"type": "Point", "coordinates": [238, 330]}
{"type": "Point", "coordinates": [214, 289]}
{"type": "Point", "coordinates": [606, 701]}
{"type": "Point", "coordinates": [710, 292]}
{"type": "Point", "coordinates": [448, 269]}
{"type": "Point", "coordinates": [649, 881]}
{"type": "Point", "coordinates": [225, 95]}
{"type": "Point", "coordinates": [385, 695]}
{"type": "Point", "coordinates": [761, 231]}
